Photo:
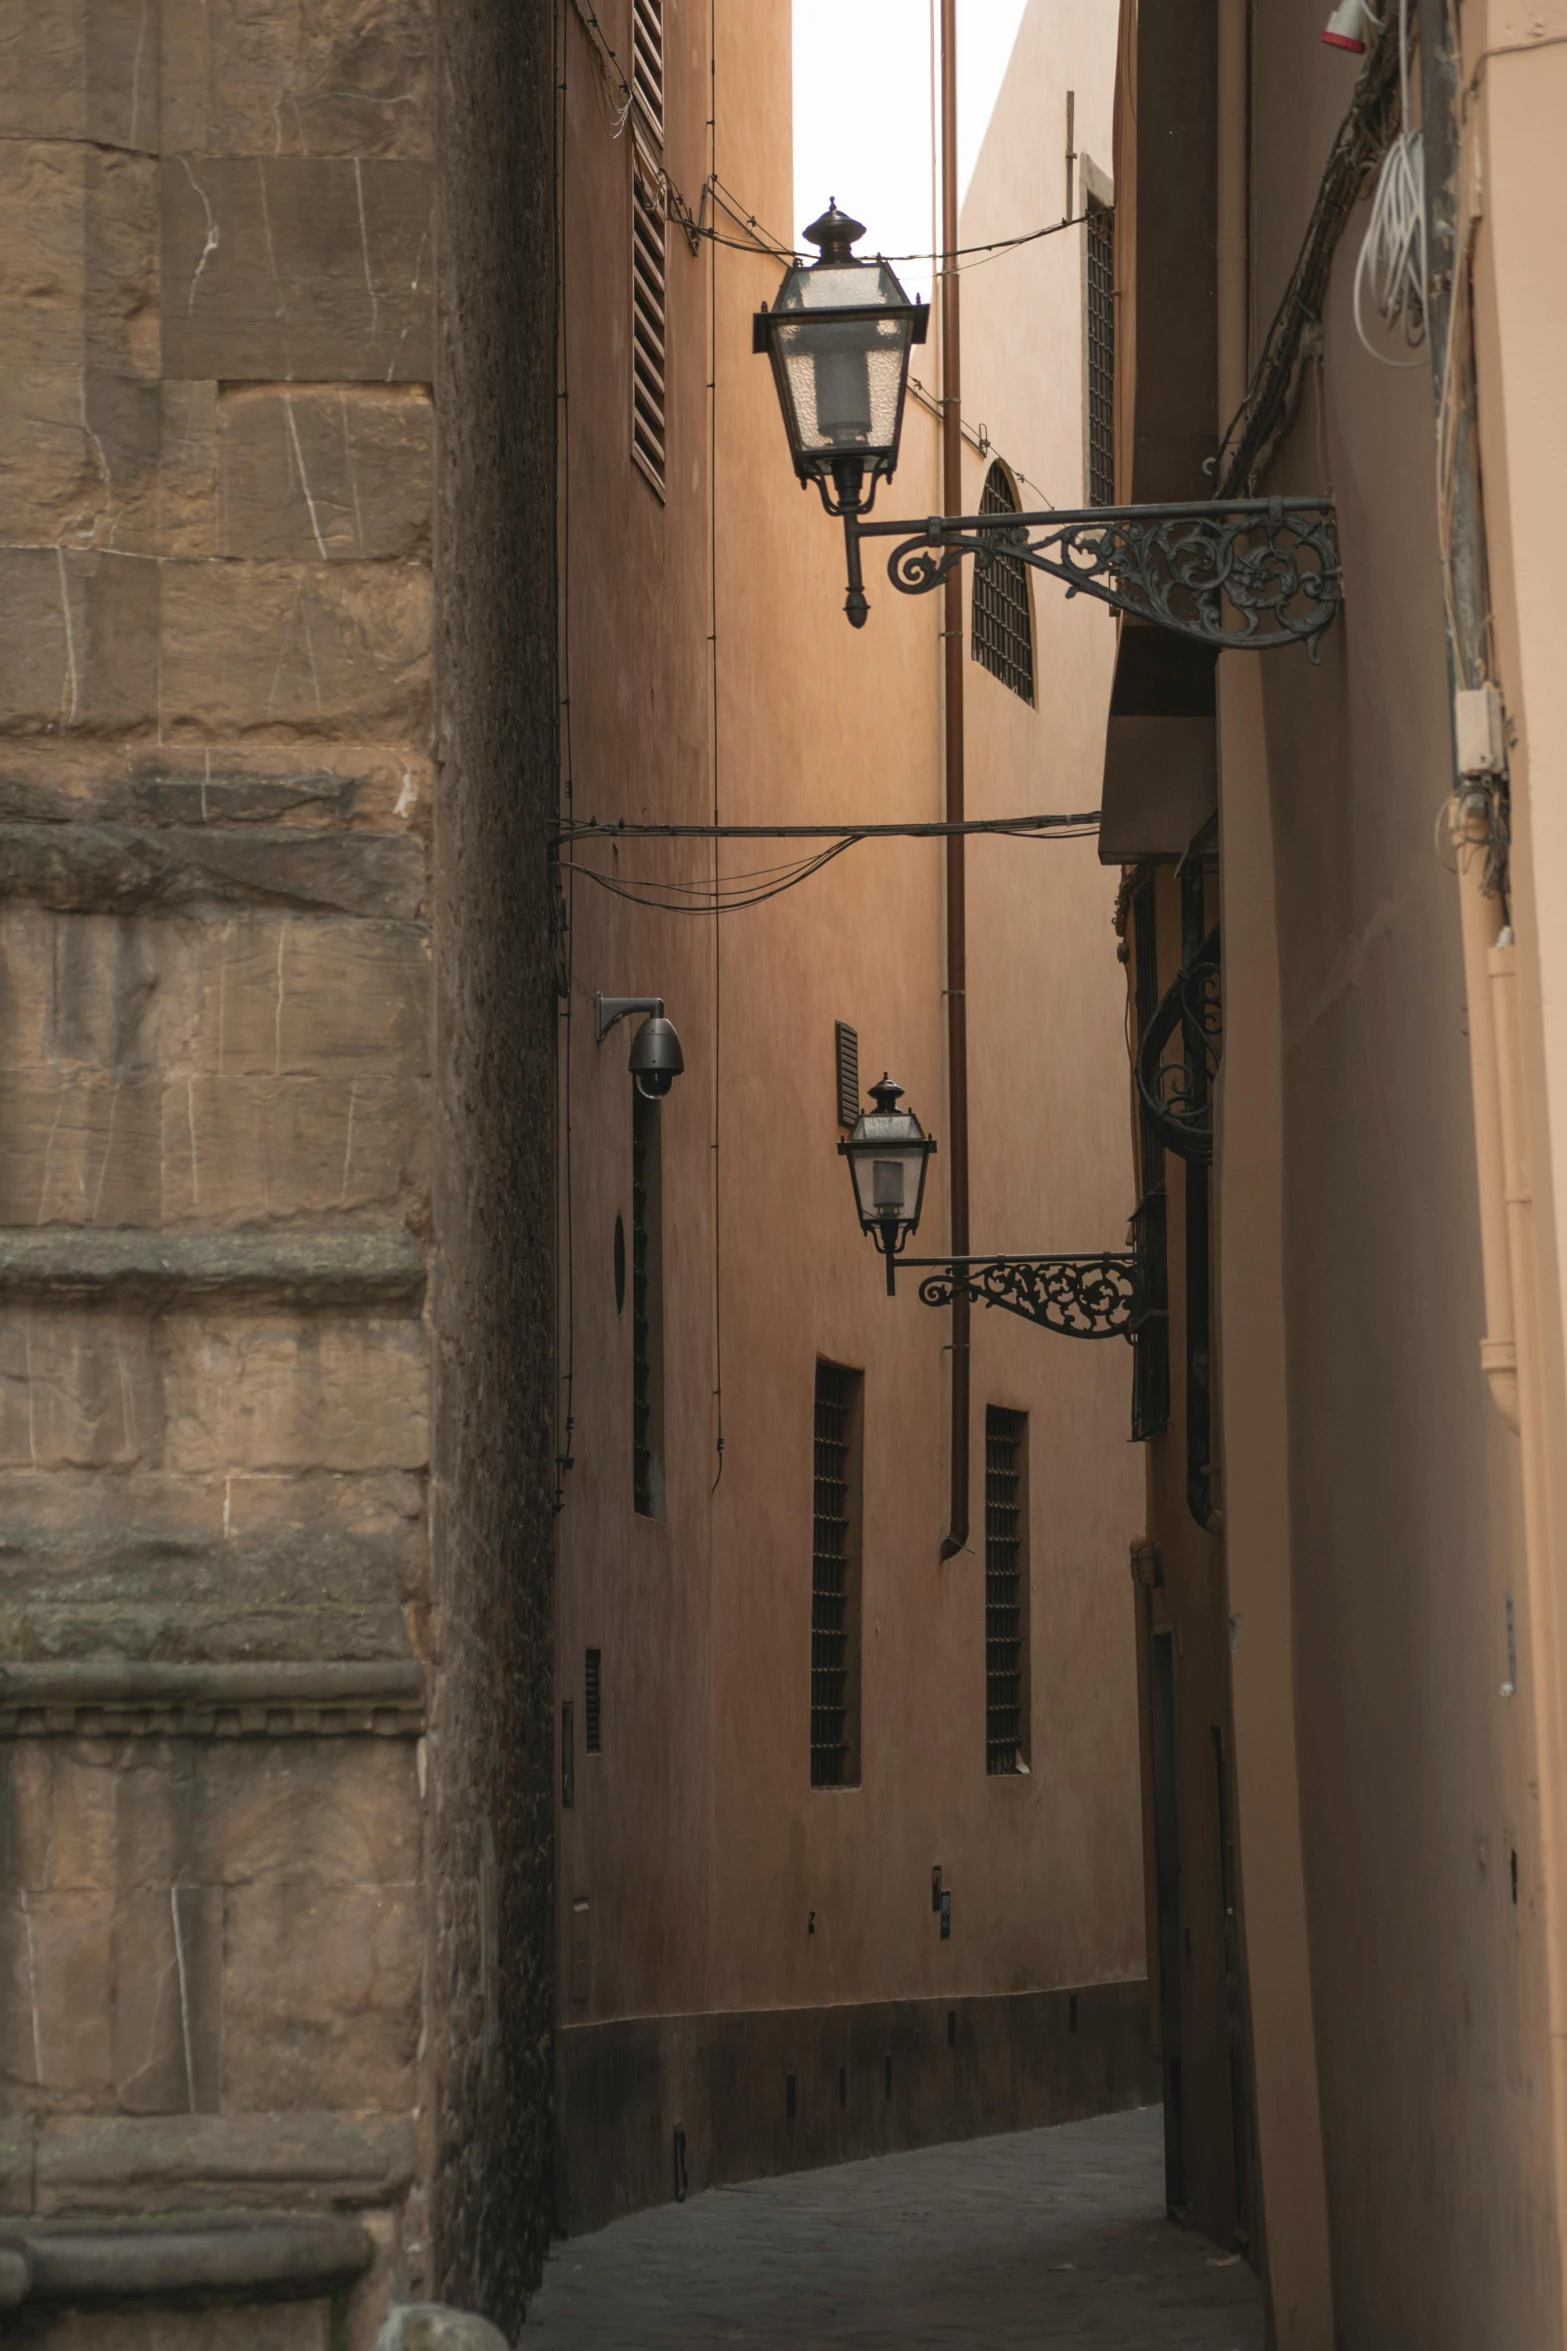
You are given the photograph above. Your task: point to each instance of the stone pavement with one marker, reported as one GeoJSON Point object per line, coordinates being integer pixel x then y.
{"type": "Point", "coordinates": [1051, 2238]}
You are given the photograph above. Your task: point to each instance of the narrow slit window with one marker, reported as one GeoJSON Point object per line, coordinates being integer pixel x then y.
{"type": "Point", "coordinates": [835, 1580]}
{"type": "Point", "coordinates": [649, 291]}
{"type": "Point", "coordinates": [1006, 1591]}
{"type": "Point", "coordinates": [592, 1718]}
{"type": "Point", "coordinates": [647, 63]}
{"type": "Point", "coordinates": [1099, 338]}
{"type": "Point", "coordinates": [1003, 633]}
{"type": "Point", "coordinates": [647, 1311]}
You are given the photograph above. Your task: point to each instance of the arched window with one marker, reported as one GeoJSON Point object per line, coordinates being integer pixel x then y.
{"type": "Point", "coordinates": [1003, 633]}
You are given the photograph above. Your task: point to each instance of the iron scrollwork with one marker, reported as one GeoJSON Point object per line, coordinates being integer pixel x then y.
{"type": "Point", "coordinates": [1247, 572]}
{"type": "Point", "coordinates": [1177, 1093]}
{"type": "Point", "coordinates": [1079, 1297]}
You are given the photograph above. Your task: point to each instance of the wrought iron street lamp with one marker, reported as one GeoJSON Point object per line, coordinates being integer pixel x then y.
{"type": "Point", "coordinates": [839, 337]}
{"type": "Point", "coordinates": [1251, 572]}
{"type": "Point", "coordinates": [888, 1153]}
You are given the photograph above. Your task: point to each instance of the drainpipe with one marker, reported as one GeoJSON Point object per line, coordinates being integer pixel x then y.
{"type": "Point", "coordinates": [956, 1537]}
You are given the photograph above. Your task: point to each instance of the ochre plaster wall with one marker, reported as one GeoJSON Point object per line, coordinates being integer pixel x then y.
{"type": "Point", "coordinates": [718, 1884]}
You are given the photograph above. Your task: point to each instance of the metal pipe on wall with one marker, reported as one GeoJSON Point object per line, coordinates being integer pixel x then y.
{"type": "Point", "coordinates": [956, 1537]}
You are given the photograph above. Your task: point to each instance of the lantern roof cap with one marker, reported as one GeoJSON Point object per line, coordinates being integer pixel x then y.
{"type": "Point", "coordinates": [836, 233]}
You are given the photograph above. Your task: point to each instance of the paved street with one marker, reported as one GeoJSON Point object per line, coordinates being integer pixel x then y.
{"type": "Point", "coordinates": [1054, 2238]}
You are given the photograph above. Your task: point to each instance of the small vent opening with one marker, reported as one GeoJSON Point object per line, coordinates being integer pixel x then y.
{"type": "Point", "coordinates": [846, 1051]}
{"type": "Point", "coordinates": [591, 1719]}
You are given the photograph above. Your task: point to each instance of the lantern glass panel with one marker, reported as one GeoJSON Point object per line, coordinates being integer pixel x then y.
{"type": "Point", "coordinates": [843, 375]}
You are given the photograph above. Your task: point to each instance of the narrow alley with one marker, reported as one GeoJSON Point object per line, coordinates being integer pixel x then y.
{"type": "Point", "coordinates": [1054, 2237]}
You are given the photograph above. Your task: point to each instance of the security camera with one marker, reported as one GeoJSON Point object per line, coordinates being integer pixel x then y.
{"type": "Point", "coordinates": [656, 1058]}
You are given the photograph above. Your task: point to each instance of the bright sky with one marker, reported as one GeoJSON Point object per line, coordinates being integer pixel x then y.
{"type": "Point", "coordinates": [862, 111]}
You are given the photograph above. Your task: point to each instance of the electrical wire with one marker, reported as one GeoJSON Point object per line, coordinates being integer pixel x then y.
{"type": "Point", "coordinates": [925, 829]}
{"type": "Point", "coordinates": [1392, 265]}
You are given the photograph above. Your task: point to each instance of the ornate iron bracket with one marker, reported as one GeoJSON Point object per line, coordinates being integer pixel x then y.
{"type": "Point", "coordinates": [1248, 572]}
{"type": "Point", "coordinates": [1178, 1094]}
{"type": "Point", "coordinates": [1080, 1297]}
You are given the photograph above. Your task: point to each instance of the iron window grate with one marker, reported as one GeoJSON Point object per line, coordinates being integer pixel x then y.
{"type": "Point", "coordinates": [846, 1054]}
{"type": "Point", "coordinates": [1100, 329]}
{"type": "Point", "coordinates": [831, 1528]}
{"type": "Point", "coordinates": [592, 1719]}
{"type": "Point", "coordinates": [1005, 1433]}
{"type": "Point", "coordinates": [647, 62]}
{"type": "Point", "coordinates": [1003, 636]}
{"type": "Point", "coordinates": [649, 286]}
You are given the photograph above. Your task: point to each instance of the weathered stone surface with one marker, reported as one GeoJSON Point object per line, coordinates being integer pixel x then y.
{"type": "Point", "coordinates": [297, 268]}
{"type": "Point", "coordinates": [78, 1390]}
{"type": "Point", "coordinates": [176, 2163]}
{"type": "Point", "coordinates": [321, 1996]}
{"type": "Point", "coordinates": [201, 2260]}
{"type": "Point", "coordinates": [335, 474]}
{"type": "Point", "coordinates": [80, 69]}
{"type": "Point", "coordinates": [263, 1394]}
{"type": "Point", "coordinates": [351, 77]}
{"type": "Point", "coordinates": [434, 2326]}
{"type": "Point", "coordinates": [199, 1569]}
{"type": "Point", "coordinates": [89, 458]}
{"type": "Point", "coordinates": [81, 635]}
{"type": "Point", "coordinates": [116, 868]}
{"type": "Point", "coordinates": [247, 996]}
{"type": "Point", "coordinates": [179, 1271]}
{"type": "Point", "coordinates": [326, 785]}
{"type": "Point", "coordinates": [282, 650]}
{"type": "Point", "coordinates": [98, 1149]}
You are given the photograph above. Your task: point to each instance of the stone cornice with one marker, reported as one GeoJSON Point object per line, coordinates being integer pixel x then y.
{"type": "Point", "coordinates": [77, 1263]}
{"type": "Point", "coordinates": [275, 2260]}
{"type": "Point", "coordinates": [111, 1697]}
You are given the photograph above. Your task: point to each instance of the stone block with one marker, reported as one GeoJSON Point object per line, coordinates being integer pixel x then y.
{"type": "Point", "coordinates": [291, 997]}
{"type": "Point", "coordinates": [318, 787]}
{"type": "Point", "coordinates": [321, 1996]}
{"type": "Point", "coordinates": [67, 1938]}
{"type": "Point", "coordinates": [350, 77]}
{"type": "Point", "coordinates": [81, 632]}
{"type": "Point", "coordinates": [244, 1148]}
{"type": "Point", "coordinates": [283, 650]}
{"type": "Point", "coordinates": [166, 2019]}
{"type": "Point", "coordinates": [198, 1569]}
{"type": "Point", "coordinates": [163, 2163]}
{"type": "Point", "coordinates": [78, 1390]}
{"type": "Point", "coordinates": [95, 868]}
{"type": "Point", "coordinates": [248, 996]}
{"type": "Point", "coordinates": [297, 268]}
{"type": "Point", "coordinates": [262, 1394]}
{"type": "Point", "coordinates": [323, 1813]}
{"type": "Point", "coordinates": [340, 474]}
{"type": "Point", "coordinates": [82, 1149]}
{"type": "Point", "coordinates": [80, 69]}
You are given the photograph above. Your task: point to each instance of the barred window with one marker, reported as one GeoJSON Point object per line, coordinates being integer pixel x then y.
{"type": "Point", "coordinates": [649, 293]}
{"type": "Point", "coordinates": [1003, 637]}
{"type": "Point", "coordinates": [1099, 337]}
{"type": "Point", "coordinates": [835, 1580]}
{"type": "Point", "coordinates": [647, 1312]}
{"type": "Point", "coordinates": [1006, 1590]}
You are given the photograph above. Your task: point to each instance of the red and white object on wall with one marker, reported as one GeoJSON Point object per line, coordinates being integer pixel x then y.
{"type": "Point", "coordinates": [1350, 26]}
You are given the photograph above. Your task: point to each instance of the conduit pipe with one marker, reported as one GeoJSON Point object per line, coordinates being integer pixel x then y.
{"type": "Point", "coordinates": [956, 1537]}
{"type": "Point", "coordinates": [1480, 916]}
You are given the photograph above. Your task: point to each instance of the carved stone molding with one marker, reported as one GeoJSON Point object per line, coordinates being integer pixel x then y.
{"type": "Point", "coordinates": [109, 1698]}
{"type": "Point", "coordinates": [77, 1264]}
{"type": "Point", "coordinates": [262, 2260]}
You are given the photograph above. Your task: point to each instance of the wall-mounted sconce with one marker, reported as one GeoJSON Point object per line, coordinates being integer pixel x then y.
{"type": "Point", "coordinates": [656, 1058]}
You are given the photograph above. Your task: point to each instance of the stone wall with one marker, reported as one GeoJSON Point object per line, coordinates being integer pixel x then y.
{"type": "Point", "coordinates": [274, 1768]}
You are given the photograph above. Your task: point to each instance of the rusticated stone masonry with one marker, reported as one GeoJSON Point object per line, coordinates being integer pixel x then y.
{"type": "Point", "coordinates": [275, 1024]}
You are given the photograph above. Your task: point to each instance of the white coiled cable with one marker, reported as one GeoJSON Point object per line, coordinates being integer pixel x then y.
{"type": "Point", "coordinates": [1392, 264]}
